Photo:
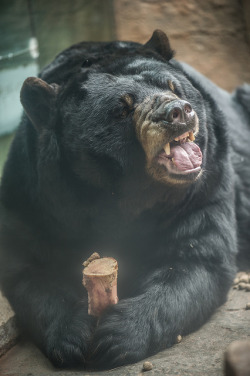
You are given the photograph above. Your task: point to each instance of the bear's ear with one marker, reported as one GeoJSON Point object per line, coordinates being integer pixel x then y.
{"type": "Point", "coordinates": [39, 101]}
{"type": "Point", "coordinates": [159, 42]}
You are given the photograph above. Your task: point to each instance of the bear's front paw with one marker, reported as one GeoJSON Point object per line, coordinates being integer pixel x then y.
{"type": "Point", "coordinates": [120, 338]}
{"type": "Point", "coordinates": [67, 351]}
{"type": "Point", "coordinates": [67, 343]}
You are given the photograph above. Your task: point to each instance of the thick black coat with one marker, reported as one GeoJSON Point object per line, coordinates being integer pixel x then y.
{"type": "Point", "coordinates": [79, 178]}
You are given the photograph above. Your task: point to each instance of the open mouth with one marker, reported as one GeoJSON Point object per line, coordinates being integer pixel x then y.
{"type": "Point", "coordinates": [181, 156]}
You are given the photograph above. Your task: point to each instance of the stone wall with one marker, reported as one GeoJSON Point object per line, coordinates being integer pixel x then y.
{"type": "Point", "coordinates": [211, 35]}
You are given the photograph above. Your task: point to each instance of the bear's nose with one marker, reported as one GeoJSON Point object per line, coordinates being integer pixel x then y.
{"type": "Point", "coordinates": [178, 111]}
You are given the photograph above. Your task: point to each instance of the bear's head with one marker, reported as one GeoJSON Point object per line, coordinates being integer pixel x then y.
{"type": "Point", "coordinates": [125, 109]}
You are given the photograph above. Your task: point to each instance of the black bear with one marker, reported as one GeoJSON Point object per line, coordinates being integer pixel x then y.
{"type": "Point", "coordinates": [124, 151]}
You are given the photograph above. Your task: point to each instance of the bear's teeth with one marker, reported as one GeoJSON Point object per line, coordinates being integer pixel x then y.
{"type": "Point", "coordinates": [191, 136]}
{"type": "Point", "coordinates": [167, 148]}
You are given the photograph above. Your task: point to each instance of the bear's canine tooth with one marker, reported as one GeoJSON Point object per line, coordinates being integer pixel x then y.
{"type": "Point", "coordinates": [191, 136]}
{"type": "Point", "coordinates": [167, 148]}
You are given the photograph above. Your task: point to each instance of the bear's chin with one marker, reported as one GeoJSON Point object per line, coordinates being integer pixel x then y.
{"type": "Point", "coordinates": [164, 171]}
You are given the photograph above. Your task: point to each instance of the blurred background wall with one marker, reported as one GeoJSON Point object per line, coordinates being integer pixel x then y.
{"type": "Point", "coordinates": [211, 35]}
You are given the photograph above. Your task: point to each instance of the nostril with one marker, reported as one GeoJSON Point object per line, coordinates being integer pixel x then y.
{"type": "Point", "coordinates": [187, 108]}
{"type": "Point", "coordinates": [176, 113]}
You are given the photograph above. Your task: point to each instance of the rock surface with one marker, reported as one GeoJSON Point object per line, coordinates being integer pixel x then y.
{"type": "Point", "coordinates": [8, 328]}
{"type": "Point", "coordinates": [237, 359]}
{"type": "Point", "coordinates": [201, 353]}
{"type": "Point", "coordinates": [213, 35]}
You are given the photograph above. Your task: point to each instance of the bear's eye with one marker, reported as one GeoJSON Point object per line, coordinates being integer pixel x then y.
{"type": "Point", "coordinates": [171, 86]}
{"type": "Point", "coordinates": [125, 113]}
{"type": "Point", "coordinates": [127, 101]}
{"type": "Point", "coordinates": [86, 63]}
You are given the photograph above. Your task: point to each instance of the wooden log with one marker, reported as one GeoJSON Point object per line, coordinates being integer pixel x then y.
{"type": "Point", "coordinates": [100, 280]}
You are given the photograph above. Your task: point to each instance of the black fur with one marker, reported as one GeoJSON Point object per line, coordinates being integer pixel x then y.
{"type": "Point", "coordinates": [75, 182]}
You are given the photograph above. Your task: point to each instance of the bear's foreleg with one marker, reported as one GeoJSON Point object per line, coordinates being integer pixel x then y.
{"type": "Point", "coordinates": [174, 302]}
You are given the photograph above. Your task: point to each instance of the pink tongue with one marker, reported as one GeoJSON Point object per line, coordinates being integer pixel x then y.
{"type": "Point", "coordinates": [187, 156]}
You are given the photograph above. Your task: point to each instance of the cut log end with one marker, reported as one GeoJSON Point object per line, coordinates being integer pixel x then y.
{"type": "Point", "coordinates": [100, 280]}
